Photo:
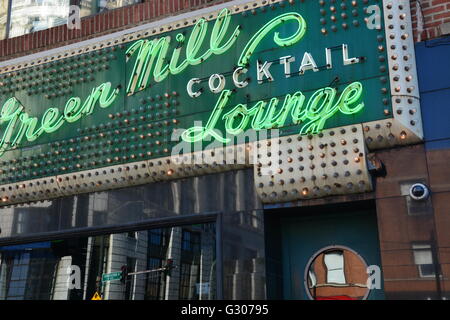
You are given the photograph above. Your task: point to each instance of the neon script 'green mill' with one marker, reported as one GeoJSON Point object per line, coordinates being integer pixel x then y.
{"type": "Point", "coordinates": [151, 62]}
{"type": "Point", "coordinates": [20, 125]}
{"type": "Point", "coordinates": [152, 54]}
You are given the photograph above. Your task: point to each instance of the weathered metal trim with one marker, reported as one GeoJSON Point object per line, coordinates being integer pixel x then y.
{"type": "Point", "coordinates": [331, 163]}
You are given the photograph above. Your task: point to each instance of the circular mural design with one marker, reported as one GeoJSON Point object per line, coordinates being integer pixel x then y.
{"type": "Point", "coordinates": [336, 273]}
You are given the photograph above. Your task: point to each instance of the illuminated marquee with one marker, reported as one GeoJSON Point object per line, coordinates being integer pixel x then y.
{"type": "Point", "coordinates": [302, 67]}
{"type": "Point", "coordinates": [151, 57]}
{"type": "Point", "coordinates": [151, 63]}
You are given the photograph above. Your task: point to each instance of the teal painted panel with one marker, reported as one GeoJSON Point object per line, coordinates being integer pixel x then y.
{"type": "Point", "coordinates": [303, 236]}
{"type": "Point", "coordinates": [139, 125]}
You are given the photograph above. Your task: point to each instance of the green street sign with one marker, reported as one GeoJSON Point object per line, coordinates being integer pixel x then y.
{"type": "Point", "coordinates": [300, 68]}
{"type": "Point", "coordinates": [111, 276]}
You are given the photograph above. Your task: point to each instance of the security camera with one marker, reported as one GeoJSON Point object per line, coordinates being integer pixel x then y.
{"type": "Point", "coordinates": [419, 191]}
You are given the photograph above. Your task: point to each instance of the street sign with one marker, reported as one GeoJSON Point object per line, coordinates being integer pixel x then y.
{"type": "Point", "coordinates": [111, 276]}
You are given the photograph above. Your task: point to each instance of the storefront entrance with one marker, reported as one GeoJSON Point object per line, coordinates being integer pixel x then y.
{"type": "Point", "coordinates": [323, 252]}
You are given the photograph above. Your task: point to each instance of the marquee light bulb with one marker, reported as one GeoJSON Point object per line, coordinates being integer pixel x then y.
{"type": "Point", "coordinates": [403, 135]}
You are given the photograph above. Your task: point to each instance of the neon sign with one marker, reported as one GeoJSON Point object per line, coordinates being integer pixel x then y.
{"type": "Point", "coordinates": [151, 62]}
{"type": "Point", "coordinates": [21, 125]}
{"type": "Point", "coordinates": [321, 106]}
{"type": "Point", "coordinates": [264, 115]}
{"type": "Point", "coordinates": [152, 54]}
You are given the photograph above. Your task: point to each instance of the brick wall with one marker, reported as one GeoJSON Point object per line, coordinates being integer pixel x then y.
{"type": "Point", "coordinates": [435, 13]}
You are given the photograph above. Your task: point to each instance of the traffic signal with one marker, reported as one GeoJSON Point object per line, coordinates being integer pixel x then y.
{"type": "Point", "coordinates": [124, 276]}
{"type": "Point", "coordinates": [168, 267]}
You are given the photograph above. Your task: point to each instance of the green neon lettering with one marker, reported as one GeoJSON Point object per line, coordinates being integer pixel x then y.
{"type": "Point", "coordinates": [219, 31]}
{"type": "Point", "coordinates": [290, 103]}
{"type": "Point", "coordinates": [11, 109]}
{"type": "Point", "coordinates": [261, 119]}
{"type": "Point", "coordinates": [267, 28]}
{"type": "Point", "coordinates": [139, 63]}
{"type": "Point", "coordinates": [10, 112]}
{"type": "Point", "coordinates": [173, 68]}
{"type": "Point", "coordinates": [318, 110]}
{"type": "Point", "coordinates": [272, 120]}
{"type": "Point", "coordinates": [258, 119]}
{"type": "Point", "coordinates": [298, 114]}
{"type": "Point", "coordinates": [320, 107]}
{"type": "Point", "coordinates": [30, 123]}
{"type": "Point", "coordinates": [263, 116]}
{"type": "Point", "coordinates": [21, 125]}
{"type": "Point", "coordinates": [23, 122]}
{"type": "Point", "coordinates": [50, 122]}
{"type": "Point", "coordinates": [195, 134]}
{"type": "Point", "coordinates": [230, 117]}
{"type": "Point", "coordinates": [105, 101]}
{"type": "Point", "coordinates": [195, 43]}
{"type": "Point", "coordinates": [351, 95]}
{"type": "Point", "coordinates": [150, 57]}
{"type": "Point", "coordinates": [72, 111]}
{"type": "Point", "coordinates": [5, 143]}
{"type": "Point", "coordinates": [151, 54]}
{"type": "Point", "coordinates": [88, 105]}
{"type": "Point", "coordinates": [156, 55]}
{"type": "Point", "coordinates": [318, 113]}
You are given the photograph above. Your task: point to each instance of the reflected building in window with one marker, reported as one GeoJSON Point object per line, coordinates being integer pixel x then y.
{"type": "Point", "coordinates": [34, 15]}
{"type": "Point", "coordinates": [337, 274]}
{"type": "Point", "coordinates": [3, 18]}
{"type": "Point", "coordinates": [145, 252]}
{"type": "Point", "coordinates": [44, 271]}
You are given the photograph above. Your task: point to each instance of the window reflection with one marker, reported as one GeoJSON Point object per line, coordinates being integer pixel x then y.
{"type": "Point", "coordinates": [334, 262]}
{"type": "Point", "coordinates": [337, 274]}
{"type": "Point", "coordinates": [33, 271]}
{"type": "Point", "coordinates": [34, 15]}
{"type": "Point", "coordinates": [243, 252]}
{"type": "Point", "coordinates": [112, 4]}
{"type": "Point", "coordinates": [244, 256]}
{"type": "Point", "coordinates": [423, 258]}
{"type": "Point", "coordinates": [72, 269]}
{"type": "Point", "coordinates": [3, 18]}
{"type": "Point", "coordinates": [90, 7]}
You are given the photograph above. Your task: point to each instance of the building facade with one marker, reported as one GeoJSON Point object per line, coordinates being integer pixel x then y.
{"type": "Point", "coordinates": [201, 150]}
